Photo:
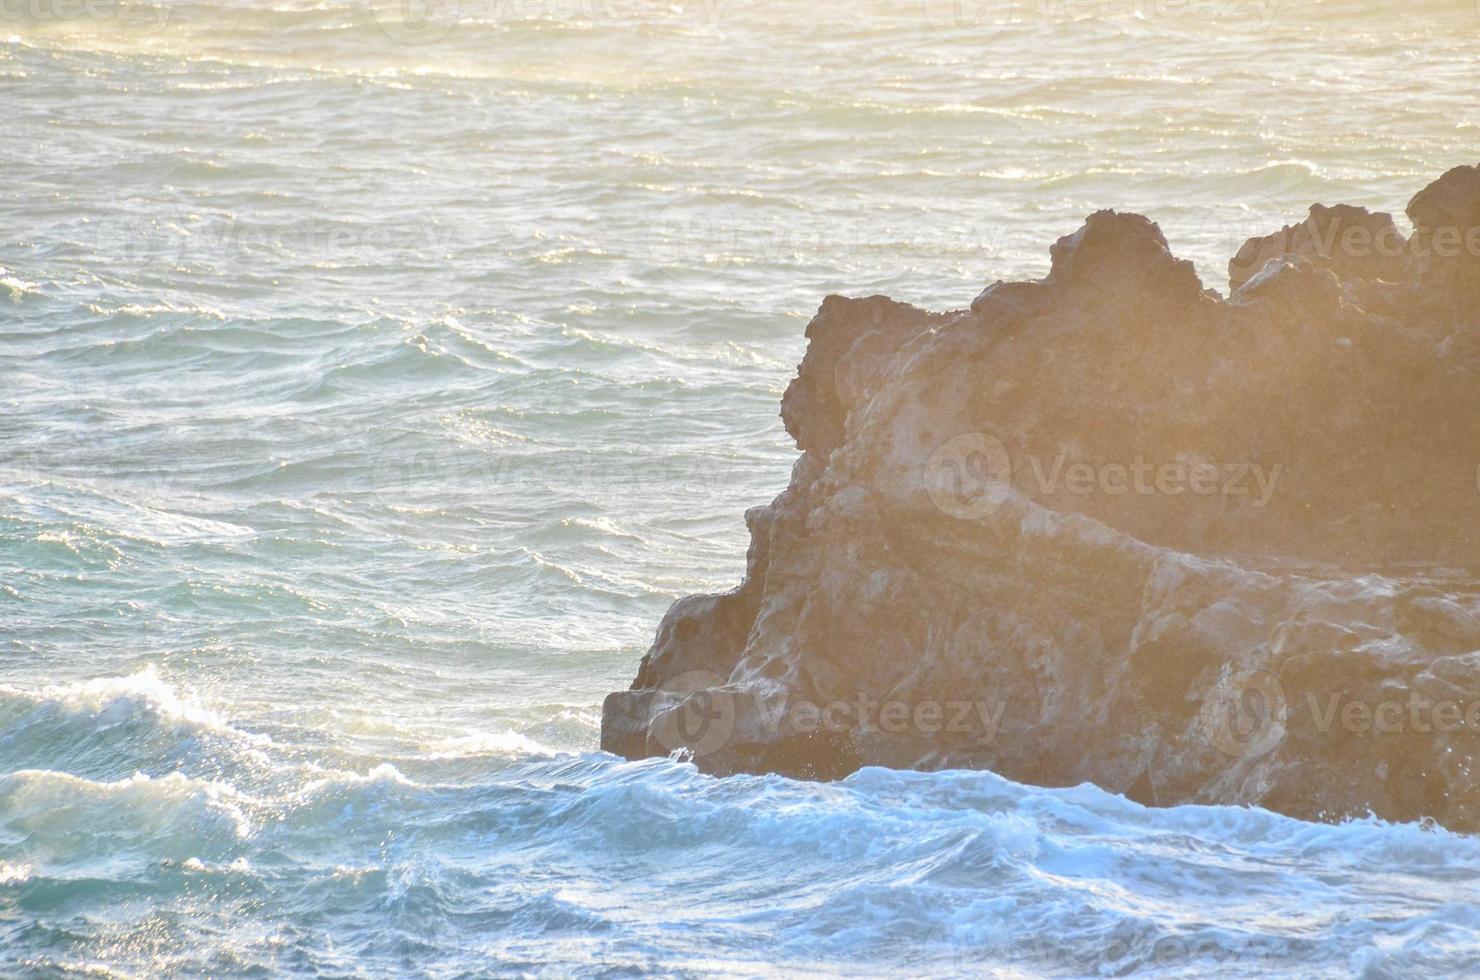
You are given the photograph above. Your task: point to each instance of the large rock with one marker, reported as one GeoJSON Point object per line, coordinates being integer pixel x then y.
{"type": "Point", "coordinates": [1352, 242]}
{"type": "Point", "coordinates": [1113, 527]}
{"type": "Point", "coordinates": [1446, 235]}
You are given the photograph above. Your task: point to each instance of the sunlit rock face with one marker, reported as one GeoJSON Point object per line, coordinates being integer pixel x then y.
{"type": "Point", "coordinates": [1114, 527]}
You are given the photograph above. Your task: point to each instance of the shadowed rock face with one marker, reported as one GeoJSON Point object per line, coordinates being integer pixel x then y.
{"type": "Point", "coordinates": [1112, 527]}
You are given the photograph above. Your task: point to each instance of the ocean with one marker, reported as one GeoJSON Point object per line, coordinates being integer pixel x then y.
{"type": "Point", "coordinates": [373, 378]}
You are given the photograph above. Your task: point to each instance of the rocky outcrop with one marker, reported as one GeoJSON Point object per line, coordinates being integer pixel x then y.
{"type": "Point", "coordinates": [1111, 526]}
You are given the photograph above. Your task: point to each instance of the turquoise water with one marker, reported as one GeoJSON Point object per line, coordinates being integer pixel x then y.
{"type": "Point", "coordinates": [366, 403]}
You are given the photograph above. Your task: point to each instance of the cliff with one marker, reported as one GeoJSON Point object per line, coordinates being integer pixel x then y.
{"type": "Point", "coordinates": [1111, 526]}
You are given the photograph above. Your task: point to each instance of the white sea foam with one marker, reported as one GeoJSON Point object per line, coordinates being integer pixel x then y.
{"type": "Point", "coordinates": [509, 743]}
{"type": "Point", "coordinates": [53, 807]}
{"type": "Point", "coordinates": [14, 874]}
{"type": "Point", "coordinates": [110, 702]}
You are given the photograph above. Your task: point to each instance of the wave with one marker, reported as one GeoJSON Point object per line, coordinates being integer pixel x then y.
{"type": "Point", "coordinates": [17, 289]}
{"type": "Point", "coordinates": [1078, 879]}
{"type": "Point", "coordinates": [936, 873]}
{"type": "Point", "coordinates": [117, 702]}
{"type": "Point", "coordinates": [114, 727]}
{"type": "Point", "coordinates": [508, 744]}
{"type": "Point", "coordinates": [69, 819]}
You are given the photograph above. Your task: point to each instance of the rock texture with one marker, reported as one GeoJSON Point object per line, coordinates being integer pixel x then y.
{"type": "Point", "coordinates": [1111, 526]}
